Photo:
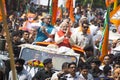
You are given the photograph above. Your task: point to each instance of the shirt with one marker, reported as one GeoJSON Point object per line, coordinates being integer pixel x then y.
{"type": "Point", "coordinates": [70, 77]}
{"type": "Point", "coordinates": [61, 40]}
{"type": "Point", "coordinates": [89, 77]}
{"type": "Point", "coordinates": [41, 36]}
{"type": "Point", "coordinates": [43, 74]}
{"type": "Point", "coordinates": [82, 40]}
{"type": "Point", "coordinates": [23, 75]}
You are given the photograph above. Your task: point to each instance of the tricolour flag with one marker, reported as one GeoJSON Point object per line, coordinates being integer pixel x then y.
{"type": "Point", "coordinates": [105, 37]}
{"type": "Point", "coordinates": [115, 16]}
{"type": "Point", "coordinates": [54, 11]}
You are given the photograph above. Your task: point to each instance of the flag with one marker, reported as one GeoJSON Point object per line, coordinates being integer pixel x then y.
{"type": "Point", "coordinates": [72, 11]}
{"type": "Point", "coordinates": [69, 7]}
{"type": "Point", "coordinates": [109, 2]}
{"type": "Point", "coordinates": [115, 16]}
{"type": "Point", "coordinates": [59, 13]}
{"type": "Point", "coordinates": [3, 2]}
{"type": "Point", "coordinates": [115, 4]}
{"type": "Point", "coordinates": [54, 11]}
{"type": "Point", "coordinates": [68, 2]}
{"type": "Point", "coordinates": [103, 47]}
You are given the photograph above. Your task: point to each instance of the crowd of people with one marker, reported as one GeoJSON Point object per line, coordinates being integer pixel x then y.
{"type": "Point", "coordinates": [85, 33]}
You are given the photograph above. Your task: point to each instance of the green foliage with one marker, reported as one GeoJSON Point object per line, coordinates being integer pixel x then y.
{"type": "Point", "coordinates": [95, 3]}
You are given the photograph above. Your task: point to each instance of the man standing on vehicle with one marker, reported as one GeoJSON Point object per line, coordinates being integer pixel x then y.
{"type": "Point", "coordinates": [81, 38]}
{"type": "Point", "coordinates": [45, 31]}
{"type": "Point", "coordinates": [46, 72]}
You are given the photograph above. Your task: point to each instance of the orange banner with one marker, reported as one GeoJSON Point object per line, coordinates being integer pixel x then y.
{"type": "Point", "coordinates": [54, 11]}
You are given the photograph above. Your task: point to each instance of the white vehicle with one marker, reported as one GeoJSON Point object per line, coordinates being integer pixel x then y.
{"type": "Point", "coordinates": [35, 52]}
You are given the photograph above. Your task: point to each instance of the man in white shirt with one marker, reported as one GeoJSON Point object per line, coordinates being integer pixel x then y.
{"type": "Point", "coordinates": [22, 74]}
{"type": "Point", "coordinates": [84, 75]}
{"type": "Point", "coordinates": [82, 38]}
{"type": "Point", "coordinates": [61, 74]}
{"type": "Point", "coordinates": [72, 72]}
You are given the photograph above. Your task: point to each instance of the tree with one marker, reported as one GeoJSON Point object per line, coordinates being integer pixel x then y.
{"type": "Point", "coordinates": [94, 3]}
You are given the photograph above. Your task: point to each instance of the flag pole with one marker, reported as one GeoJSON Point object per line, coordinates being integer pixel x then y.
{"type": "Point", "coordinates": [12, 63]}
{"type": "Point", "coordinates": [48, 6]}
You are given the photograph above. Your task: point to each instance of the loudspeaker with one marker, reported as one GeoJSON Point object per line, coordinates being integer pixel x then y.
{"type": "Point", "coordinates": [2, 44]}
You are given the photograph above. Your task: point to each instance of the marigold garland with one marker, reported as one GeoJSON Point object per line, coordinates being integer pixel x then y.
{"type": "Point", "coordinates": [35, 63]}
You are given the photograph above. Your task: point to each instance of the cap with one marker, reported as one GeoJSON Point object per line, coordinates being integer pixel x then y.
{"type": "Point", "coordinates": [19, 60]}
{"type": "Point", "coordinates": [46, 61]}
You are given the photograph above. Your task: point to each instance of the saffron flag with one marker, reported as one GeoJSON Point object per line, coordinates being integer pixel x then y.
{"type": "Point", "coordinates": [59, 13]}
{"type": "Point", "coordinates": [109, 2]}
{"type": "Point", "coordinates": [115, 16]}
{"type": "Point", "coordinates": [3, 2]}
{"type": "Point", "coordinates": [72, 12]}
{"type": "Point", "coordinates": [69, 6]}
{"type": "Point", "coordinates": [105, 37]}
{"type": "Point", "coordinates": [68, 2]}
{"type": "Point", "coordinates": [54, 11]}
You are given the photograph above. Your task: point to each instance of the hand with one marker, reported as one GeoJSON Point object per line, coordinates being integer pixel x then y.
{"type": "Point", "coordinates": [67, 34]}
{"type": "Point", "coordinates": [43, 29]}
{"type": "Point", "coordinates": [60, 74]}
{"type": "Point", "coordinates": [47, 78]}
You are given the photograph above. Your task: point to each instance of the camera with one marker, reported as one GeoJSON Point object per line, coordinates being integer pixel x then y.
{"type": "Point", "coordinates": [63, 78]}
